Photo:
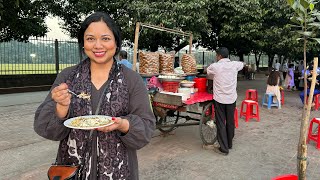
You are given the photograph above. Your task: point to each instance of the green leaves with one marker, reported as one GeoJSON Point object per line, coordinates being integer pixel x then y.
{"type": "Point", "coordinates": [191, 15]}
{"type": "Point", "coordinates": [305, 33]}
{"type": "Point", "coordinates": [316, 39]}
{"type": "Point", "coordinates": [311, 6]}
{"type": "Point", "coordinates": [290, 2]}
{"type": "Point", "coordinates": [21, 19]}
{"type": "Point", "coordinates": [305, 4]}
{"type": "Point", "coordinates": [307, 16]}
{"type": "Point", "coordinates": [315, 24]}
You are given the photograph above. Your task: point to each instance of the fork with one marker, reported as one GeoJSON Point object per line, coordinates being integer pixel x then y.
{"type": "Point", "coordinates": [77, 95]}
{"type": "Point", "coordinates": [71, 92]}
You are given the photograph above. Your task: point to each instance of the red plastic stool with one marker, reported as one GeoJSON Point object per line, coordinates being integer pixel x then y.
{"type": "Point", "coordinates": [236, 117]}
{"type": "Point", "coordinates": [248, 113]}
{"type": "Point", "coordinates": [252, 94]}
{"type": "Point", "coordinates": [314, 137]}
{"type": "Point", "coordinates": [286, 177]}
{"type": "Point", "coordinates": [316, 101]}
{"type": "Point", "coordinates": [282, 97]}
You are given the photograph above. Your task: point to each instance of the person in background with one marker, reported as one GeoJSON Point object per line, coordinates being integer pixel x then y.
{"type": "Point", "coordinates": [289, 80]}
{"type": "Point", "coordinates": [107, 152]}
{"type": "Point", "coordinates": [309, 78]}
{"type": "Point", "coordinates": [277, 66]}
{"type": "Point", "coordinates": [283, 72]}
{"type": "Point", "coordinates": [176, 62]}
{"type": "Point", "coordinates": [284, 69]}
{"type": "Point", "coordinates": [273, 85]}
{"type": "Point", "coordinates": [224, 73]}
{"type": "Point", "coordinates": [137, 66]}
{"type": "Point", "coordinates": [300, 67]}
{"type": "Point", "coordinates": [123, 59]}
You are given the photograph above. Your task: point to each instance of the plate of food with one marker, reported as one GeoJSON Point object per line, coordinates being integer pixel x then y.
{"type": "Point", "coordinates": [88, 122]}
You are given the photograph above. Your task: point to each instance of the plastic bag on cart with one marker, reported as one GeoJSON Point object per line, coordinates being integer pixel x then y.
{"type": "Point", "coordinates": [154, 84]}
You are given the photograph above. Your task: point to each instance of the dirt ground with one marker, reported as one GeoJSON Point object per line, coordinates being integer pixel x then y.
{"type": "Point", "coordinates": [261, 150]}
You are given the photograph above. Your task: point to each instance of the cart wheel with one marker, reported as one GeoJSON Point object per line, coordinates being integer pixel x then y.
{"type": "Point", "coordinates": [169, 119]}
{"type": "Point", "coordinates": [208, 129]}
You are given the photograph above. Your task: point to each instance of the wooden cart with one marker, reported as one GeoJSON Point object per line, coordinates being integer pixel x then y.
{"type": "Point", "coordinates": [171, 112]}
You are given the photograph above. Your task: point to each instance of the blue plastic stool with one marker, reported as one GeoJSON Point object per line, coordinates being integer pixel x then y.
{"type": "Point", "coordinates": [268, 101]}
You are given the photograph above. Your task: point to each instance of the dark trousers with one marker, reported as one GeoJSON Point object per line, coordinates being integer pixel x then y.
{"type": "Point", "coordinates": [224, 114]}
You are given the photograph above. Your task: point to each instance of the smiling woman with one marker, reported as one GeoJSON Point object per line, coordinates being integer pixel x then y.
{"type": "Point", "coordinates": [107, 152]}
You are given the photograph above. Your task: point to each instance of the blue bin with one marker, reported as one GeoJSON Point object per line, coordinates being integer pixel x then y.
{"type": "Point", "coordinates": [190, 77]}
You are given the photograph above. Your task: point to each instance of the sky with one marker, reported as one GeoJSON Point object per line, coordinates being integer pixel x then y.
{"type": "Point", "coordinates": [55, 32]}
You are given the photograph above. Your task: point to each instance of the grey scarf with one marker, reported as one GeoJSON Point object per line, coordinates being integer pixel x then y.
{"type": "Point", "coordinates": [111, 159]}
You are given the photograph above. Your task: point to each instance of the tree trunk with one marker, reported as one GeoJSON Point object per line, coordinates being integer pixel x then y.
{"type": "Point", "coordinates": [302, 147]}
{"type": "Point", "coordinates": [257, 58]}
{"type": "Point", "coordinates": [270, 61]}
{"type": "Point", "coordinates": [240, 55]}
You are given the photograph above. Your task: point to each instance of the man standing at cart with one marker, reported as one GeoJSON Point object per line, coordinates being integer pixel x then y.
{"type": "Point", "coordinates": [224, 73]}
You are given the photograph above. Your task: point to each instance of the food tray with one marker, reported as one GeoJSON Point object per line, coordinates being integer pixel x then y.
{"type": "Point", "coordinates": [173, 74]}
{"type": "Point", "coordinates": [172, 80]}
{"type": "Point", "coordinates": [168, 98]}
{"type": "Point", "coordinates": [148, 75]}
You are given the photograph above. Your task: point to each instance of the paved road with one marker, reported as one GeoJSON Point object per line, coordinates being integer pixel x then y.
{"type": "Point", "coordinates": [261, 150]}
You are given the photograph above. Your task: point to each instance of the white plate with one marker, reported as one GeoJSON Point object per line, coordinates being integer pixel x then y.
{"type": "Point", "coordinates": [67, 123]}
{"type": "Point", "coordinates": [188, 84]}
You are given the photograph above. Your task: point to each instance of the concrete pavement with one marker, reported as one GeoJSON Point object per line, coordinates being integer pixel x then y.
{"type": "Point", "coordinates": [261, 150]}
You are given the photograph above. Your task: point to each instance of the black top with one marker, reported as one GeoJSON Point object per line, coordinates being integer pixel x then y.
{"type": "Point", "coordinates": [141, 118]}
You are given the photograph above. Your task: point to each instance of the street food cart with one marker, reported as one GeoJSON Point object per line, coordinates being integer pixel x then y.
{"type": "Point", "coordinates": [172, 110]}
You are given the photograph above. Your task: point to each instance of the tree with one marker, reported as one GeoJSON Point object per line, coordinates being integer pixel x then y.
{"type": "Point", "coordinates": [181, 15]}
{"type": "Point", "coordinates": [232, 22]}
{"type": "Point", "coordinates": [21, 19]}
{"type": "Point", "coordinates": [306, 20]}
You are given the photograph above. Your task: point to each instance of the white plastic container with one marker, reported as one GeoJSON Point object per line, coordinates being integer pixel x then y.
{"type": "Point", "coordinates": [186, 93]}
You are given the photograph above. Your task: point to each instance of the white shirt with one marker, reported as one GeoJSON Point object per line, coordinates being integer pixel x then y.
{"type": "Point", "coordinates": [277, 66]}
{"type": "Point", "coordinates": [225, 74]}
{"type": "Point", "coordinates": [284, 67]}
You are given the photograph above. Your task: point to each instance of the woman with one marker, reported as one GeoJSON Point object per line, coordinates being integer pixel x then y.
{"type": "Point", "coordinates": [116, 91]}
{"type": "Point", "coordinates": [273, 85]}
{"type": "Point", "coordinates": [289, 80]}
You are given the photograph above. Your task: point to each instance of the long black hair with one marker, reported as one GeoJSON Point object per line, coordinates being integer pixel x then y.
{"type": "Point", "coordinates": [273, 78]}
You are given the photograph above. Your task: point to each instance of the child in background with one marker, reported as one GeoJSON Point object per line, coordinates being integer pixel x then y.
{"type": "Point", "coordinates": [289, 80]}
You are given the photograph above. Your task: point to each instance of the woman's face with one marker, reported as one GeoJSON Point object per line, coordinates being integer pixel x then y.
{"type": "Point", "coordinates": [99, 43]}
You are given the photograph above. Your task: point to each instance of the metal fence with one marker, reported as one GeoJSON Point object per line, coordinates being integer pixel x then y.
{"type": "Point", "coordinates": [48, 56]}
{"type": "Point", "coordinates": [38, 56]}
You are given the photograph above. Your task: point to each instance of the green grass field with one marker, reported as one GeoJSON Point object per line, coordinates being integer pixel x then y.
{"type": "Point", "coordinates": [14, 69]}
